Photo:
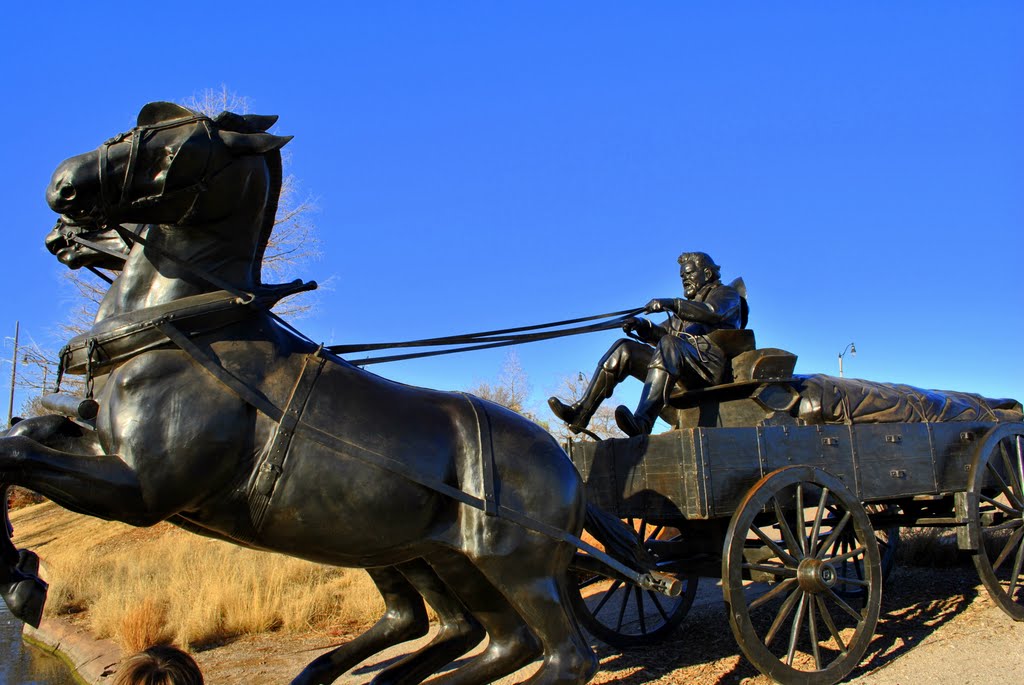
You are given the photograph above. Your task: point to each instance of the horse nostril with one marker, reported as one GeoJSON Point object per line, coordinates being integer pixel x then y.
{"type": "Point", "coordinates": [67, 192]}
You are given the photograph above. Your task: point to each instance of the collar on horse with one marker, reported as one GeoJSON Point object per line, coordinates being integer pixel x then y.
{"type": "Point", "coordinates": [119, 338]}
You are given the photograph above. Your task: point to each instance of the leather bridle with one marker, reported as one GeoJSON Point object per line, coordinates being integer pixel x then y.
{"type": "Point", "coordinates": [111, 206]}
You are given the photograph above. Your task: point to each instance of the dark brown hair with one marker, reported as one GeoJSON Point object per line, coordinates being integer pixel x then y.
{"type": "Point", "coordinates": [162, 665]}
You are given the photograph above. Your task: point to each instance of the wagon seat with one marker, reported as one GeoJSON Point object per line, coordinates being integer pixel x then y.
{"type": "Point", "coordinates": [757, 388]}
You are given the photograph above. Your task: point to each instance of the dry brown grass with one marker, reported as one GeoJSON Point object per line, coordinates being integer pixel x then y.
{"type": "Point", "coordinates": [146, 586]}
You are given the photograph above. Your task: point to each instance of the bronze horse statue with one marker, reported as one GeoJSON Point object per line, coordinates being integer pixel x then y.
{"type": "Point", "coordinates": [218, 417]}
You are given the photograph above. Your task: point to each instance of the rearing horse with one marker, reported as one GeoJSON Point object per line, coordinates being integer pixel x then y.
{"type": "Point", "coordinates": [215, 416]}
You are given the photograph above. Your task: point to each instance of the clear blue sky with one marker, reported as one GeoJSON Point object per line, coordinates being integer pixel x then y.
{"type": "Point", "coordinates": [482, 165]}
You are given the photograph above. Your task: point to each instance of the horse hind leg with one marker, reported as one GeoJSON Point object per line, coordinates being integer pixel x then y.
{"type": "Point", "coordinates": [511, 643]}
{"type": "Point", "coordinates": [541, 598]}
{"type": "Point", "coordinates": [404, 619]}
{"type": "Point", "coordinates": [459, 631]}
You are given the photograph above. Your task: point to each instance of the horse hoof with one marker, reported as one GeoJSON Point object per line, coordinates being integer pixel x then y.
{"type": "Point", "coordinates": [28, 562]}
{"type": "Point", "coordinates": [25, 598]}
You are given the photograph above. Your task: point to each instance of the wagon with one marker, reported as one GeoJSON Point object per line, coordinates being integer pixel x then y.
{"type": "Point", "coordinates": [792, 490]}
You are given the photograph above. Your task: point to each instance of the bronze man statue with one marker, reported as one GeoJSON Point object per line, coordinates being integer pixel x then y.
{"type": "Point", "coordinates": [676, 352]}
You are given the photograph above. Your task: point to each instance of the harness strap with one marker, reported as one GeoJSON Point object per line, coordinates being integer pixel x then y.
{"type": "Point", "coordinates": [483, 437]}
{"type": "Point", "coordinates": [269, 472]}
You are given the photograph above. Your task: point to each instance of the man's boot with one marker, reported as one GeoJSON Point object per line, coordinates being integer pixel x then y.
{"type": "Point", "coordinates": [578, 414]}
{"type": "Point", "coordinates": [652, 400]}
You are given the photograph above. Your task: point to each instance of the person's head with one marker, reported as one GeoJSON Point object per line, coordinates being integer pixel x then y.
{"type": "Point", "coordinates": [697, 269]}
{"type": "Point", "coordinates": [162, 665]}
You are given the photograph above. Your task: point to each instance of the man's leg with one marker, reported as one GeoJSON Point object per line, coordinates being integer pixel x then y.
{"type": "Point", "coordinates": [625, 358]}
{"type": "Point", "coordinates": [652, 401]}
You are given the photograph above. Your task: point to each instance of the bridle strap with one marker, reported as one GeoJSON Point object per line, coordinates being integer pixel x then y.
{"type": "Point", "coordinates": [137, 134]}
{"type": "Point", "coordinates": [245, 296]}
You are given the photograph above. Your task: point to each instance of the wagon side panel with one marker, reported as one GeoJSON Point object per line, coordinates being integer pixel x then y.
{"type": "Point", "coordinates": [655, 477]}
{"type": "Point", "coordinates": [894, 460]}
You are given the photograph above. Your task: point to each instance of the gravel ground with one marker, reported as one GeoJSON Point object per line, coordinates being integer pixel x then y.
{"type": "Point", "coordinates": [938, 627]}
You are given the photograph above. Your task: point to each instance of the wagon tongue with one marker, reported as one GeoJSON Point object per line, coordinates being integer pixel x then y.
{"type": "Point", "coordinates": [660, 582]}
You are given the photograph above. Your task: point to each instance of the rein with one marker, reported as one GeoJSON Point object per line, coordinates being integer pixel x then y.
{"type": "Point", "coordinates": [484, 340]}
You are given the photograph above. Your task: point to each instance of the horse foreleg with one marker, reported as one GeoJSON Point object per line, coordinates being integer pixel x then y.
{"type": "Point", "coordinates": [405, 618]}
{"type": "Point", "coordinates": [97, 485]}
{"type": "Point", "coordinates": [20, 586]}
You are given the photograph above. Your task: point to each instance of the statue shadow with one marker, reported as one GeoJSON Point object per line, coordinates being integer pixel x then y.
{"type": "Point", "coordinates": [916, 603]}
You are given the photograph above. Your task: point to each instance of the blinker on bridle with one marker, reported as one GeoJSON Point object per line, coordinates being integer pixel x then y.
{"type": "Point", "coordinates": [110, 207]}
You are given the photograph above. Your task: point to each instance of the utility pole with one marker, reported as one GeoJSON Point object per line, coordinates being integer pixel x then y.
{"type": "Point", "coordinates": [14, 373]}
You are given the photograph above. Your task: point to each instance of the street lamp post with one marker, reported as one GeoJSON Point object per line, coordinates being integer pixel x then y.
{"type": "Point", "coordinates": [853, 353]}
{"type": "Point", "coordinates": [14, 372]}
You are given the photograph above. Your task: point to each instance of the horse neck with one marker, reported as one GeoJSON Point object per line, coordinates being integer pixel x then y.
{"type": "Point", "coordinates": [168, 268]}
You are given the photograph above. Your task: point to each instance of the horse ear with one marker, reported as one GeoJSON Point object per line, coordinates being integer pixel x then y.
{"type": "Point", "coordinates": [252, 143]}
{"type": "Point", "coordinates": [245, 123]}
{"type": "Point", "coordinates": [260, 122]}
{"type": "Point", "coordinates": [156, 112]}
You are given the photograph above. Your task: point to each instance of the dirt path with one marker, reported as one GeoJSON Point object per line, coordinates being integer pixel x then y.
{"type": "Point", "coordinates": [938, 627]}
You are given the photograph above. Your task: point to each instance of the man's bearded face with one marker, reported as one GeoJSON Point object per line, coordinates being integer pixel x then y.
{"type": "Point", "coordinates": [694, 278]}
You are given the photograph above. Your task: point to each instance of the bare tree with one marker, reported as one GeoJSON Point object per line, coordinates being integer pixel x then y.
{"type": "Point", "coordinates": [511, 390]}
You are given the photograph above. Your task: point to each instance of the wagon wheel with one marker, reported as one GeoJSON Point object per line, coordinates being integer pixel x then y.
{"type": "Point", "coordinates": [995, 516]}
{"type": "Point", "coordinates": [888, 542]}
{"type": "Point", "coordinates": [625, 615]}
{"type": "Point", "coordinates": [801, 630]}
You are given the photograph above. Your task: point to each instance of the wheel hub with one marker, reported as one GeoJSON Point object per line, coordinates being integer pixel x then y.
{"type": "Point", "coordinates": [816, 576]}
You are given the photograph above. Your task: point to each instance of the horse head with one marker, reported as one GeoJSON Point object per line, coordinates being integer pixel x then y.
{"type": "Point", "coordinates": [175, 168]}
{"type": "Point", "coordinates": [166, 170]}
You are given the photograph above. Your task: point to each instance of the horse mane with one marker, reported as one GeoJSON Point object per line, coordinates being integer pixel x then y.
{"type": "Point", "coordinates": [255, 123]}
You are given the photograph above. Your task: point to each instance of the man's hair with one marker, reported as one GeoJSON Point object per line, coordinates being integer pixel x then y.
{"type": "Point", "coordinates": [703, 261]}
{"type": "Point", "coordinates": [161, 665]}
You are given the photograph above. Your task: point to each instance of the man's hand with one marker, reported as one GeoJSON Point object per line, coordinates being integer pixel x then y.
{"type": "Point", "coordinates": [654, 306]}
{"type": "Point", "coordinates": [630, 324]}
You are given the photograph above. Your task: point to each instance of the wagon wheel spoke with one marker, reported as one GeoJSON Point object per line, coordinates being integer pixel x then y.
{"type": "Point", "coordinates": [608, 595]}
{"type": "Point", "coordinates": [787, 533]}
{"type": "Point", "coordinates": [784, 612]}
{"type": "Point", "coordinates": [998, 505]}
{"type": "Point", "coordinates": [1015, 576]}
{"type": "Point", "coordinates": [656, 601]}
{"type": "Point", "coordinates": [819, 514]}
{"type": "Point", "coordinates": [1013, 468]}
{"type": "Point", "coordinates": [638, 594]}
{"type": "Point", "coordinates": [781, 588]}
{"type": "Point", "coordinates": [994, 474]}
{"type": "Point", "coordinates": [812, 625]}
{"type": "Point", "coordinates": [772, 569]}
{"type": "Point", "coordinates": [830, 623]}
{"type": "Point", "coordinates": [794, 631]}
{"type": "Point", "coordinates": [799, 519]}
{"type": "Point", "coordinates": [831, 594]}
{"type": "Point", "coordinates": [836, 531]}
{"type": "Point", "coordinates": [848, 556]}
{"type": "Point", "coordinates": [782, 554]}
{"type": "Point", "coordinates": [1011, 544]}
{"type": "Point", "coordinates": [622, 610]}
{"type": "Point", "coordinates": [859, 582]}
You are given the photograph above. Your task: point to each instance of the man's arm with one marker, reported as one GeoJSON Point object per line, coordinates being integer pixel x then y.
{"type": "Point", "coordinates": [721, 307]}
